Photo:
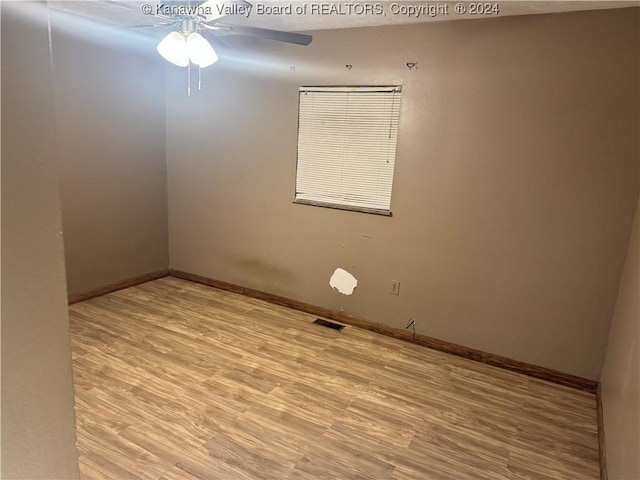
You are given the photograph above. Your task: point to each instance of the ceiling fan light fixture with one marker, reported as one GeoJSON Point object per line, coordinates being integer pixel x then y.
{"type": "Point", "coordinates": [200, 51]}
{"type": "Point", "coordinates": [173, 48]}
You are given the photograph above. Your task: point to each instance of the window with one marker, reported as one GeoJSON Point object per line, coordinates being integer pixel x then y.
{"type": "Point", "coordinates": [347, 147]}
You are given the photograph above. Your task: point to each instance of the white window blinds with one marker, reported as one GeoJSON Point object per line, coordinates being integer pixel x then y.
{"type": "Point", "coordinates": [346, 146]}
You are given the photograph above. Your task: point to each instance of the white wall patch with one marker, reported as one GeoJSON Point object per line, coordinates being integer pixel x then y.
{"type": "Point", "coordinates": [343, 282]}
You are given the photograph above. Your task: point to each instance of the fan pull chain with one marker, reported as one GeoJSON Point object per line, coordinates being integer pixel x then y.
{"type": "Point", "coordinates": [199, 77]}
{"type": "Point", "coordinates": [189, 79]}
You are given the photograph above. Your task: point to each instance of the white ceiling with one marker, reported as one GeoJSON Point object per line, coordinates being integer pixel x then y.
{"type": "Point", "coordinates": [127, 13]}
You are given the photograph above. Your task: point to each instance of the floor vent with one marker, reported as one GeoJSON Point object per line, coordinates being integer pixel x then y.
{"type": "Point", "coordinates": [328, 324]}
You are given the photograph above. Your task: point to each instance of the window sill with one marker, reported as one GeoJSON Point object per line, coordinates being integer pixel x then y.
{"type": "Point", "coordinates": [336, 206]}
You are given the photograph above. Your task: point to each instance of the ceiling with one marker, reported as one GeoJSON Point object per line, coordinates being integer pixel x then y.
{"type": "Point", "coordinates": [335, 15]}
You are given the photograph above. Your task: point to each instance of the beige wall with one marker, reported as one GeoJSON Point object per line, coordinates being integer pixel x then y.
{"type": "Point", "coordinates": [110, 108]}
{"type": "Point", "coordinates": [621, 374]}
{"type": "Point", "coordinates": [38, 430]}
{"type": "Point", "coordinates": [515, 186]}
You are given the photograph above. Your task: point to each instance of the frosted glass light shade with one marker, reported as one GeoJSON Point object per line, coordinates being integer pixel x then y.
{"type": "Point", "coordinates": [173, 48]}
{"type": "Point", "coordinates": [200, 51]}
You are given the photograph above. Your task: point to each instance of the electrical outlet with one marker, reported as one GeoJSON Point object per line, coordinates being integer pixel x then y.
{"type": "Point", "coordinates": [395, 287]}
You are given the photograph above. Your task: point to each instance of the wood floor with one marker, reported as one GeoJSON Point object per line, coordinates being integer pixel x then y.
{"type": "Point", "coordinates": [178, 381]}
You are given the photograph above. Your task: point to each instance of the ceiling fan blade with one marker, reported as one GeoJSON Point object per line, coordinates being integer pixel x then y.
{"type": "Point", "coordinates": [150, 25]}
{"type": "Point", "coordinates": [218, 44]}
{"type": "Point", "coordinates": [277, 35]}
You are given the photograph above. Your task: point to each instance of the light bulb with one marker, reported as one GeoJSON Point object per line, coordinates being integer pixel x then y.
{"type": "Point", "coordinates": [173, 48]}
{"type": "Point", "coordinates": [200, 51]}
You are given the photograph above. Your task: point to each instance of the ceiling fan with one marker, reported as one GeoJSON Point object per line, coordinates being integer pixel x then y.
{"type": "Point", "coordinates": [193, 20]}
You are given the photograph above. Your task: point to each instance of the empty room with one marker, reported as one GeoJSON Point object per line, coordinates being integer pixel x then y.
{"type": "Point", "coordinates": [320, 240]}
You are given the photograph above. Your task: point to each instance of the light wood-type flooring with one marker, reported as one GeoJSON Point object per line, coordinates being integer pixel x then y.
{"type": "Point", "coordinates": [179, 381]}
